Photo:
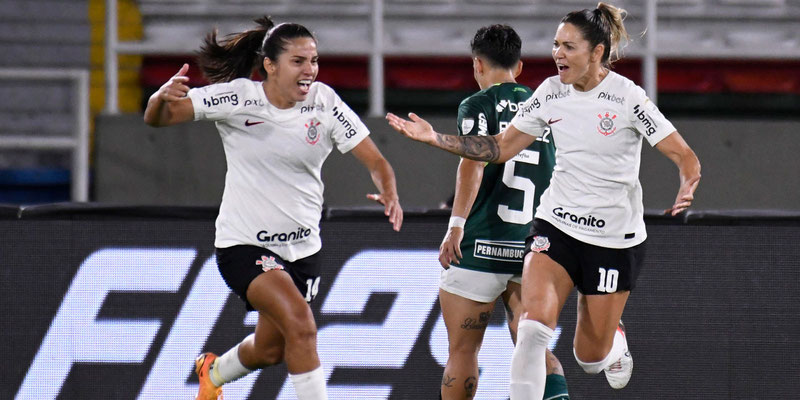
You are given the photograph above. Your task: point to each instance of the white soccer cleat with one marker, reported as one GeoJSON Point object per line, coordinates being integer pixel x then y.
{"type": "Point", "coordinates": [619, 373]}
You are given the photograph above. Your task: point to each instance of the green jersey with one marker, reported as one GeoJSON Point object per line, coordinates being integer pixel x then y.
{"type": "Point", "coordinates": [500, 218]}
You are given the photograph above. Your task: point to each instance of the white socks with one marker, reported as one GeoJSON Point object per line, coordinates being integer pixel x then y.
{"type": "Point", "coordinates": [228, 368]}
{"type": "Point", "coordinates": [528, 370]}
{"type": "Point", "coordinates": [617, 350]}
{"type": "Point", "coordinates": [310, 385]}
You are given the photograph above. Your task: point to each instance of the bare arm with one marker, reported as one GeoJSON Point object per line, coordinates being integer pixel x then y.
{"type": "Point", "coordinates": [468, 182]}
{"type": "Point", "coordinates": [169, 104]}
{"type": "Point", "coordinates": [677, 150]}
{"type": "Point", "coordinates": [495, 149]}
{"type": "Point", "coordinates": [383, 177]}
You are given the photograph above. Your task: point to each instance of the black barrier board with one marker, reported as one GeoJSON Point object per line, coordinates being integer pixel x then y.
{"type": "Point", "coordinates": [118, 309]}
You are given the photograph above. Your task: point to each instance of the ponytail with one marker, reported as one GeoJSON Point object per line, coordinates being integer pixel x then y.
{"type": "Point", "coordinates": [235, 56]}
{"type": "Point", "coordinates": [603, 25]}
{"type": "Point", "coordinates": [613, 17]}
{"type": "Point", "coordinates": [238, 54]}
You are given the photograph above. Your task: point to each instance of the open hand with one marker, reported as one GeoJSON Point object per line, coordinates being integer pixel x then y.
{"type": "Point", "coordinates": [450, 249]}
{"type": "Point", "coordinates": [684, 198]}
{"type": "Point", "coordinates": [392, 209]}
{"type": "Point", "coordinates": [416, 128]}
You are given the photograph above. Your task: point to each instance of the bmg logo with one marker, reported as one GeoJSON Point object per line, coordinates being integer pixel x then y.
{"type": "Point", "coordinates": [222, 98]}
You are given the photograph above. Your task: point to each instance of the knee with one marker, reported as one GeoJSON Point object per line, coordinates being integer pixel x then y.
{"type": "Point", "coordinates": [300, 326]}
{"type": "Point", "coordinates": [465, 347]}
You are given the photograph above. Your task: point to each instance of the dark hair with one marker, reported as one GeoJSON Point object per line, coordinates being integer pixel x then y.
{"type": "Point", "coordinates": [499, 44]}
{"type": "Point", "coordinates": [603, 25]}
{"type": "Point", "coordinates": [238, 54]}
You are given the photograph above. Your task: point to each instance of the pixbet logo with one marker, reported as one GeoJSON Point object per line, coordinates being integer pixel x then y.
{"type": "Point", "coordinates": [558, 95]}
{"type": "Point", "coordinates": [611, 97]}
{"type": "Point", "coordinates": [78, 335]}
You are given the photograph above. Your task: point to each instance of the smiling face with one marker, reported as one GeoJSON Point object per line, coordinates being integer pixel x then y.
{"type": "Point", "coordinates": [577, 63]}
{"type": "Point", "coordinates": [289, 77]}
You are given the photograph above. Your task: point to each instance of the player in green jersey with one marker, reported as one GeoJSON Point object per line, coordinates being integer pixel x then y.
{"type": "Point", "coordinates": [492, 212]}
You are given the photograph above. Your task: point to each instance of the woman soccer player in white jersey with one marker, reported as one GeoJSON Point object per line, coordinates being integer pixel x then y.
{"type": "Point", "coordinates": [276, 134]}
{"type": "Point", "coordinates": [589, 228]}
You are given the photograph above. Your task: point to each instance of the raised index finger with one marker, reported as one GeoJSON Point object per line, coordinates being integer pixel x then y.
{"type": "Point", "coordinates": [184, 69]}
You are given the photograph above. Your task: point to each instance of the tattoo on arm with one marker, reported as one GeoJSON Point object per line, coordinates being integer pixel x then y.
{"type": "Point", "coordinates": [479, 148]}
{"type": "Point", "coordinates": [447, 381]}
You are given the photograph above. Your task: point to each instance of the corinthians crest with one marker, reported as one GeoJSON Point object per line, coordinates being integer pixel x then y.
{"type": "Point", "coordinates": [312, 135]}
{"type": "Point", "coordinates": [606, 126]}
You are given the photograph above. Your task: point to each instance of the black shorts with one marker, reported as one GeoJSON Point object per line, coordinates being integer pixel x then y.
{"type": "Point", "coordinates": [593, 269]}
{"type": "Point", "coordinates": [239, 265]}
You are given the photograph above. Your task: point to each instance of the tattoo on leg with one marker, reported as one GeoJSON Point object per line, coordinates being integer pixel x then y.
{"type": "Point", "coordinates": [553, 365]}
{"type": "Point", "coordinates": [481, 323]}
{"type": "Point", "coordinates": [480, 148]}
{"type": "Point", "coordinates": [469, 386]}
{"type": "Point", "coordinates": [447, 381]}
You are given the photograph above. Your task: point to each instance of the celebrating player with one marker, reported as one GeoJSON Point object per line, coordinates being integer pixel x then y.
{"type": "Point", "coordinates": [276, 134]}
{"type": "Point", "coordinates": [589, 229]}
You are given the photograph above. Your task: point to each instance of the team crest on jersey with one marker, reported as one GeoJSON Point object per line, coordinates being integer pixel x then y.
{"type": "Point", "coordinates": [540, 244]}
{"type": "Point", "coordinates": [312, 135]}
{"type": "Point", "coordinates": [606, 126]}
{"type": "Point", "coordinates": [467, 124]}
{"type": "Point", "coordinates": [268, 263]}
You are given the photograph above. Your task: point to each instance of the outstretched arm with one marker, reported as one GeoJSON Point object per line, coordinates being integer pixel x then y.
{"type": "Point", "coordinates": [495, 149]}
{"type": "Point", "coordinates": [383, 177]}
{"type": "Point", "coordinates": [169, 104]}
{"type": "Point", "coordinates": [677, 150]}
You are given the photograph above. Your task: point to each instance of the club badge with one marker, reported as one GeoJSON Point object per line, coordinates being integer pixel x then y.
{"type": "Point", "coordinates": [606, 126]}
{"type": "Point", "coordinates": [540, 244]}
{"type": "Point", "coordinates": [312, 135]}
{"type": "Point", "coordinates": [268, 263]}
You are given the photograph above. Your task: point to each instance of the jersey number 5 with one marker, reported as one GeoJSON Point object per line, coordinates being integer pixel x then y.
{"type": "Point", "coordinates": [524, 184]}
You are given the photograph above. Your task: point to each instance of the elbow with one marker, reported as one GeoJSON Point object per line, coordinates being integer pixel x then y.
{"type": "Point", "coordinates": [154, 121]}
{"type": "Point", "coordinates": [502, 159]}
{"type": "Point", "coordinates": [151, 118]}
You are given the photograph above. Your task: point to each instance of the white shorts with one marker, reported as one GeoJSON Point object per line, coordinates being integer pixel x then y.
{"type": "Point", "coordinates": [484, 287]}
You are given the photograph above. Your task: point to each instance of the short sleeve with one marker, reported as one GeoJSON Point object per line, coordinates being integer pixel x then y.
{"type": "Point", "coordinates": [472, 118]}
{"type": "Point", "coordinates": [646, 118]}
{"type": "Point", "coordinates": [215, 102]}
{"type": "Point", "coordinates": [347, 129]}
{"type": "Point", "coordinates": [528, 119]}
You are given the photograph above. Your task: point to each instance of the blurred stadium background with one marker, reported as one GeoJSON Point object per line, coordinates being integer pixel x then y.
{"type": "Point", "coordinates": [726, 71]}
{"type": "Point", "coordinates": [75, 74]}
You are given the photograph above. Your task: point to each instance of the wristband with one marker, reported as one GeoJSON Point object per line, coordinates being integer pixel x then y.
{"type": "Point", "coordinates": [456, 222]}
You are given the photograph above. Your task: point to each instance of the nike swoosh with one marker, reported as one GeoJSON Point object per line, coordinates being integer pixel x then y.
{"type": "Point", "coordinates": [553, 121]}
{"type": "Point", "coordinates": [248, 123]}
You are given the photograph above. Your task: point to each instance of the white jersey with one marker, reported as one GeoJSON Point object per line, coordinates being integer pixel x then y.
{"type": "Point", "coordinates": [273, 188]}
{"type": "Point", "coordinates": [594, 194]}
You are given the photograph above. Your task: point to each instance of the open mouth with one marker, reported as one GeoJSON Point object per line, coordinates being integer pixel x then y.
{"type": "Point", "coordinates": [304, 84]}
{"type": "Point", "coordinates": [562, 67]}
